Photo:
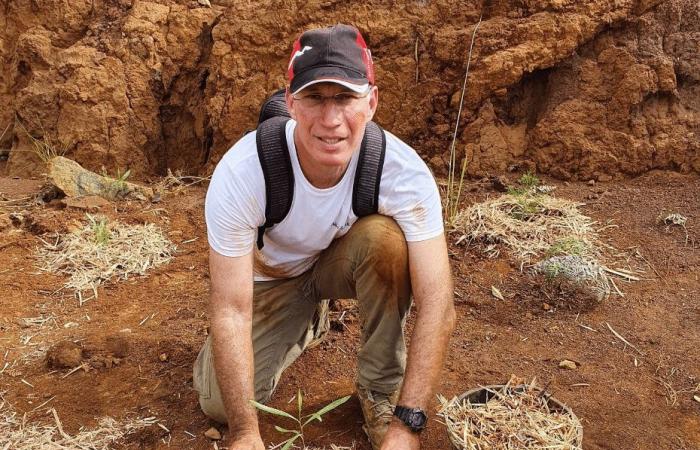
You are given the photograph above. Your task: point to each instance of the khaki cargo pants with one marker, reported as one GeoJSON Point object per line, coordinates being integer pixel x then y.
{"type": "Point", "coordinates": [370, 264]}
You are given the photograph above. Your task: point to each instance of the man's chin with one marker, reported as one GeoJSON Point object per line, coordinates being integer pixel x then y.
{"type": "Point", "coordinates": [332, 158]}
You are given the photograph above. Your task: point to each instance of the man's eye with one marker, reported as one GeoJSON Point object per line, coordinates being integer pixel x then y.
{"type": "Point", "coordinates": [314, 98]}
{"type": "Point", "coordinates": [344, 99]}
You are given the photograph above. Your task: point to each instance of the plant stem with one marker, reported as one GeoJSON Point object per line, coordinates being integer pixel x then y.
{"type": "Point", "coordinates": [453, 202]}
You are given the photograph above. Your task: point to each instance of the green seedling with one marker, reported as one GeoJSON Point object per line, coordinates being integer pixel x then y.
{"type": "Point", "coordinates": [301, 421]}
{"type": "Point", "coordinates": [100, 230]}
{"type": "Point", "coordinates": [529, 180]}
{"type": "Point", "coordinates": [516, 192]}
{"type": "Point", "coordinates": [119, 180]}
{"type": "Point", "coordinates": [567, 246]}
{"type": "Point", "coordinates": [526, 207]}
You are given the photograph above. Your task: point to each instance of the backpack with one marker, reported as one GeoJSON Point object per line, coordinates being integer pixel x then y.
{"type": "Point", "coordinates": [273, 153]}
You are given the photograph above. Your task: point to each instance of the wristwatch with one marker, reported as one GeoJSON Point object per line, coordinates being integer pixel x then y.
{"type": "Point", "coordinates": [414, 418]}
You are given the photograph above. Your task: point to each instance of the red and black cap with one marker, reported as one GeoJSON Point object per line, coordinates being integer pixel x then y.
{"type": "Point", "coordinates": [336, 54]}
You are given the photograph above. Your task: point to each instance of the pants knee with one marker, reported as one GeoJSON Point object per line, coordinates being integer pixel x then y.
{"type": "Point", "coordinates": [380, 236]}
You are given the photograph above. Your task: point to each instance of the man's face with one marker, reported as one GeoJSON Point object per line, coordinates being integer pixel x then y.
{"type": "Point", "coordinates": [329, 129]}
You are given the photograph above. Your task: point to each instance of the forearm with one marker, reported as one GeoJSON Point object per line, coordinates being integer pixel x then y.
{"type": "Point", "coordinates": [233, 360]}
{"type": "Point", "coordinates": [426, 355]}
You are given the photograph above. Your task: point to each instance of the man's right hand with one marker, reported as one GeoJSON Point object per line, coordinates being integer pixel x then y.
{"type": "Point", "coordinates": [251, 441]}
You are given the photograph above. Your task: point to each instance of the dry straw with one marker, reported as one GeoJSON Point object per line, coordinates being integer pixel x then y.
{"type": "Point", "coordinates": [529, 225]}
{"type": "Point", "coordinates": [17, 434]}
{"type": "Point", "coordinates": [514, 418]}
{"type": "Point", "coordinates": [102, 251]}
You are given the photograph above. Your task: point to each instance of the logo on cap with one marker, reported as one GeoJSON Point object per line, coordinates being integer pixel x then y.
{"type": "Point", "coordinates": [297, 54]}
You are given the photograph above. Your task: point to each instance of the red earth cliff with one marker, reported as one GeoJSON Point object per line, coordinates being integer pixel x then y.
{"type": "Point", "coordinates": [574, 89]}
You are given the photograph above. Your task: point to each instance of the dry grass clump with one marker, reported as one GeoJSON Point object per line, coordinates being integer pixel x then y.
{"type": "Point", "coordinates": [177, 182]}
{"type": "Point", "coordinates": [513, 418]}
{"type": "Point", "coordinates": [102, 250]}
{"type": "Point", "coordinates": [528, 224]}
{"type": "Point", "coordinates": [579, 270]}
{"type": "Point", "coordinates": [16, 434]}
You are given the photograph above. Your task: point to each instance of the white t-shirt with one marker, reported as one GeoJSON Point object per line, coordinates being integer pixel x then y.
{"type": "Point", "coordinates": [235, 207]}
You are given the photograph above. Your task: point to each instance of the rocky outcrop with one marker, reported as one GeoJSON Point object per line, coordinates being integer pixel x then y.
{"type": "Point", "coordinates": [576, 89]}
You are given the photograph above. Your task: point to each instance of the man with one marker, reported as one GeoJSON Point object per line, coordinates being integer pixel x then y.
{"type": "Point", "coordinates": [263, 303]}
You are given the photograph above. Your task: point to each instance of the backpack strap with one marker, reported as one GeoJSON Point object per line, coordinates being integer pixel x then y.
{"type": "Point", "coordinates": [274, 106]}
{"type": "Point", "coordinates": [273, 153]}
{"type": "Point", "coordinates": [365, 194]}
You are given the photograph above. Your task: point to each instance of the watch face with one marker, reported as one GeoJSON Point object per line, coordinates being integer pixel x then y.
{"type": "Point", "coordinates": [418, 419]}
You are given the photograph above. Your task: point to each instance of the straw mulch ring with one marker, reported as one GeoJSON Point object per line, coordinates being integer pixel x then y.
{"type": "Point", "coordinates": [528, 224]}
{"type": "Point", "coordinates": [16, 434]}
{"type": "Point", "coordinates": [510, 417]}
{"type": "Point", "coordinates": [102, 251]}
{"type": "Point", "coordinates": [546, 233]}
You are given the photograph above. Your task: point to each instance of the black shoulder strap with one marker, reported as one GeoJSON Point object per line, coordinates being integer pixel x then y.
{"type": "Point", "coordinates": [365, 194]}
{"type": "Point", "coordinates": [274, 106]}
{"type": "Point", "coordinates": [273, 153]}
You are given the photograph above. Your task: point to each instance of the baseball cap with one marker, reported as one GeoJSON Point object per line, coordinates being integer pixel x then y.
{"type": "Point", "coordinates": [336, 54]}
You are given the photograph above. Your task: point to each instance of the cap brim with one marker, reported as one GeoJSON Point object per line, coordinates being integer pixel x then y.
{"type": "Point", "coordinates": [359, 88]}
{"type": "Point", "coordinates": [338, 75]}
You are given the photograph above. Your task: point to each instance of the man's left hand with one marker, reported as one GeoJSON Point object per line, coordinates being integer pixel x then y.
{"type": "Point", "coordinates": [399, 437]}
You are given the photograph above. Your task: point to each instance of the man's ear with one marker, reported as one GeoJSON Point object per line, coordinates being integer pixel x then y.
{"type": "Point", "coordinates": [290, 103]}
{"type": "Point", "coordinates": [373, 102]}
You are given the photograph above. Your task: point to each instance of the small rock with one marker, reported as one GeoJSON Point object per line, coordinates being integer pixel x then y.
{"type": "Point", "coordinates": [499, 184]}
{"type": "Point", "coordinates": [591, 182]}
{"type": "Point", "coordinates": [64, 355]}
{"type": "Point", "coordinates": [567, 364]}
{"type": "Point", "coordinates": [70, 325]}
{"type": "Point", "coordinates": [213, 434]}
{"type": "Point", "coordinates": [546, 306]}
{"type": "Point", "coordinates": [696, 398]}
{"type": "Point", "coordinates": [163, 357]}
{"type": "Point", "coordinates": [204, 3]}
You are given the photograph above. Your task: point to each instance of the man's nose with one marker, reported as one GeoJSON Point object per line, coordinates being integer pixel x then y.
{"type": "Point", "coordinates": [331, 113]}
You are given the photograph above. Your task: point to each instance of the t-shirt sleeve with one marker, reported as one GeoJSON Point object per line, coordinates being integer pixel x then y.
{"type": "Point", "coordinates": [234, 206]}
{"type": "Point", "coordinates": [409, 193]}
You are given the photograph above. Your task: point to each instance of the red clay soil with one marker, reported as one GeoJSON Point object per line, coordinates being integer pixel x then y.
{"type": "Point", "coordinates": [626, 399]}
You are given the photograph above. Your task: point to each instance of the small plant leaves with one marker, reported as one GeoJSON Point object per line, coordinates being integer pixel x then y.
{"type": "Point", "coordinates": [290, 442]}
{"type": "Point", "coordinates": [317, 415]}
{"type": "Point", "coordinates": [271, 410]}
{"type": "Point", "coordinates": [284, 430]}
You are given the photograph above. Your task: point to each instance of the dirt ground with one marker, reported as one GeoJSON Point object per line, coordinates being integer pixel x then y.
{"type": "Point", "coordinates": [626, 398]}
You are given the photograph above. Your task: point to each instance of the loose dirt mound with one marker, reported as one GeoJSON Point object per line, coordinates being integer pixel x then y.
{"type": "Point", "coordinates": [579, 89]}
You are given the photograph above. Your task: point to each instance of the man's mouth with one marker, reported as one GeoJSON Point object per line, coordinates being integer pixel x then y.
{"type": "Point", "coordinates": [330, 141]}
